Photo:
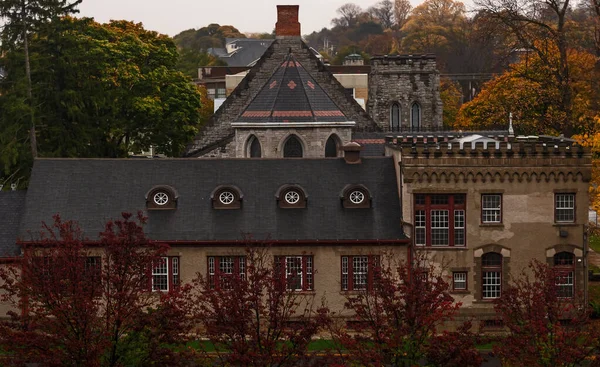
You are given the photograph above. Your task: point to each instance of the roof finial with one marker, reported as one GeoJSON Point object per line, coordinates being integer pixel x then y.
{"type": "Point", "coordinates": [511, 131]}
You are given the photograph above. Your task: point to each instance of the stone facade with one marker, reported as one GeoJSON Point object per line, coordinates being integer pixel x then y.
{"type": "Point", "coordinates": [527, 175]}
{"type": "Point", "coordinates": [313, 140]}
{"type": "Point", "coordinates": [405, 80]}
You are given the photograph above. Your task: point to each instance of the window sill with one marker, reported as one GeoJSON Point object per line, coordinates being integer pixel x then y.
{"type": "Point", "coordinates": [459, 291]}
{"type": "Point", "coordinates": [492, 225]}
{"type": "Point", "coordinates": [566, 224]}
{"type": "Point", "coordinates": [458, 248]}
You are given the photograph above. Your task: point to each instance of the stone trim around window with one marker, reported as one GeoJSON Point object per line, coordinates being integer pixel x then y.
{"type": "Point", "coordinates": [226, 197]}
{"type": "Point", "coordinates": [356, 196]}
{"type": "Point", "coordinates": [478, 269]}
{"type": "Point", "coordinates": [161, 197]}
{"type": "Point", "coordinates": [291, 196]}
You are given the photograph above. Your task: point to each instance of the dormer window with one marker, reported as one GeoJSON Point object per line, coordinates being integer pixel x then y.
{"type": "Point", "coordinates": [161, 197]}
{"type": "Point", "coordinates": [356, 196]}
{"type": "Point", "coordinates": [226, 197]}
{"type": "Point", "coordinates": [291, 196]}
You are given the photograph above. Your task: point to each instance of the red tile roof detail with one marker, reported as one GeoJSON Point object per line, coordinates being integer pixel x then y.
{"type": "Point", "coordinates": [257, 114]}
{"type": "Point", "coordinates": [328, 113]}
{"type": "Point", "coordinates": [291, 84]}
{"type": "Point", "coordinates": [273, 84]}
{"type": "Point", "coordinates": [292, 114]}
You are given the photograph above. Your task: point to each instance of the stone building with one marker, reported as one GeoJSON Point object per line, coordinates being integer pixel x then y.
{"type": "Point", "coordinates": [294, 166]}
{"type": "Point", "coordinates": [483, 207]}
{"type": "Point", "coordinates": [403, 94]}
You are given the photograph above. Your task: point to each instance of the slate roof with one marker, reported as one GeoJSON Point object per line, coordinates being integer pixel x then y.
{"type": "Point", "coordinates": [92, 191]}
{"type": "Point", "coordinates": [248, 51]}
{"type": "Point", "coordinates": [291, 95]}
{"type": "Point", "coordinates": [12, 204]}
{"type": "Point", "coordinates": [219, 132]}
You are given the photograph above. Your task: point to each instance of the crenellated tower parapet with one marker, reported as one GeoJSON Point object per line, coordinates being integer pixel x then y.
{"type": "Point", "coordinates": [456, 158]}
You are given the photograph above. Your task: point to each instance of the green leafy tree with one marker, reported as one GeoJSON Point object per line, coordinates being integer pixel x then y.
{"type": "Point", "coordinates": [21, 18]}
{"type": "Point", "coordinates": [101, 91]}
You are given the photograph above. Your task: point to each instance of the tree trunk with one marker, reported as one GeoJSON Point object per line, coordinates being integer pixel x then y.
{"type": "Point", "coordinates": [32, 135]}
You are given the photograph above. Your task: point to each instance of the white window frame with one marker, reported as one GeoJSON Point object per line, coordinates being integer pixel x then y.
{"type": "Point", "coordinates": [491, 214]}
{"type": "Point", "coordinates": [161, 270]}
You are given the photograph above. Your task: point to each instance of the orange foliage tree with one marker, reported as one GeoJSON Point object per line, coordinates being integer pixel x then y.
{"type": "Point", "coordinates": [529, 91]}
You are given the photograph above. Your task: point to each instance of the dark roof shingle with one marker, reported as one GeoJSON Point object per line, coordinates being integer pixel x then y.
{"type": "Point", "coordinates": [94, 191]}
{"type": "Point", "coordinates": [12, 204]}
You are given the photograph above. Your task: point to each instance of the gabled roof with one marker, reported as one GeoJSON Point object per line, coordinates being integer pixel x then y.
{"type": "Point", "coordinates": [92, 191]}
{"type": "Point", "coordinates": [12, 204]}
{"type": "Point", "coordinates": [291, 95]}
{"type": "Point", "coordinates": [218, 132]}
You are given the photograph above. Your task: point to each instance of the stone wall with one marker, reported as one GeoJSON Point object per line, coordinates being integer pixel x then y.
{"type": "Point", "coordinates": [405, 79]}
{"type": "Point", "coordinates": [527, 175]}
{"type": "Point", "coordinates": [273, 139]}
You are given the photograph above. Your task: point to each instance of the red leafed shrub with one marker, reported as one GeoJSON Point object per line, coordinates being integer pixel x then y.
{"type": "Point", "coordinates": [397, 319]}
{"type": "Point", "coordinates": [252, 319]}
{"type": "Point", "coordinates": [544, 328]}
{"type": "Point", "coordinates": [76, 305]}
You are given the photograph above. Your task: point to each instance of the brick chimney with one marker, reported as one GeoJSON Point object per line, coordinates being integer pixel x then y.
{"type": "Point", "coordinates": [287, 21]}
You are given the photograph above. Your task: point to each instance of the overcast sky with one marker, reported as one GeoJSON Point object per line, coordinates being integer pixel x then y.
{"type": "Point", "coordinates": [173, 16]}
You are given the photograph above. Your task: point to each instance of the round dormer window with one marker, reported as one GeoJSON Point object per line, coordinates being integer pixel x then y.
{"type": "Point", "coordinates": [356, 197]}
{"type": "Point", "coordinates": [161, 198]}
{"type": "Point", "coordinates": [226, 197]}
{"type": "Point", "coordinates": [292, 197]}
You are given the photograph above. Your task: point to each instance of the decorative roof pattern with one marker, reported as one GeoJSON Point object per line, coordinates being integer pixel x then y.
{"type": "Point", "coordinates": [292, 95]}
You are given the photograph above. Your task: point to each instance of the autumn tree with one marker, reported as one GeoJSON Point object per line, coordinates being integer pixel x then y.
{"type": "Point", "coordinates": [398, 316]}
{"type": "Point", "coordinates": [532, 95]}
{"type": "Point", "coordinates": [541, 27]}
{"type": "Point", "coordinates": [383, 12]}
{"type": "Point", "coordinates": [452, 99]}
{"type": "Point", "coordinates": [252, 314]}
{"type": "Point", "coordinates": [80, 306]}
{"type": "Point", "coordinates": [402, 9]}
{"type": "Point", "coordinates": [436, 26]}
{"type": "Point", "coordinates": [105, 90]}
{"type": "Point", "coordinates": [349, 13]}
{"type": "Point", "coordinates": [546, 325]}
{"type": "Point", "coordinates": [22, 18]}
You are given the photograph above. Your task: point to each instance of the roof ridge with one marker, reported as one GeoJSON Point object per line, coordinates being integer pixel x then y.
{"type": "Point", "coordinates": [312, 110]}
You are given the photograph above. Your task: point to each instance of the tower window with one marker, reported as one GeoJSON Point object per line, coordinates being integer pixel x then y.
{"type": "Point", "coordinates": [415, 116]}
{"type": "Point", "coordinates": [395, 117]}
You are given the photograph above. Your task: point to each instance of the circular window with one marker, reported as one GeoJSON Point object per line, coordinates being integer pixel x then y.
{"type": "Point", "coordinates": [161, 198]}
{"type": "Point", "coordinates": [357, 197]}
{"type": "Point", "coordinates": [292, 197]}
{"type": "Point", "coordinates": [226, 197]}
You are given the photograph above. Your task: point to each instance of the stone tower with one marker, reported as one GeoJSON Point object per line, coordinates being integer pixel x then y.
{"type": "Point", "coordinates": [404, 93]}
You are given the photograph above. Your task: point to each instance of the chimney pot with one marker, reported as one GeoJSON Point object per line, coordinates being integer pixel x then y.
{"type": "Point", "coordinates": [287, 21]}
{"type": "Point", "coordinates": [352, 153]}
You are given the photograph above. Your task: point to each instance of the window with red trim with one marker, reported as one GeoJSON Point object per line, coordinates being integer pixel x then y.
{"type": "Point", "coordinates": [296, 272]}
{"type": "Point", "coordinates": [358, 272]}
{"type": "Point", "coordinates": [165, 274]}
{"type": "Point", "coordinates": [223, 270]}
{"type": "Point", "coordinates": [440, 220]}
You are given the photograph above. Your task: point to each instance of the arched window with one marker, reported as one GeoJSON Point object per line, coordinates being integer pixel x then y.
{"type": "Point", "coordinates": [564, 263]}
{"type": "Point", "coordinates": [395, 117]}
{"type": "Point", "coordinates": [415, 116]}
{"type": "Point", "coordinates": [254, 148]}
{"type": "Point", "coordinates": [491, 273]}
{"type": "Point", "coordinates": [331, 147]}
{"type": "Point", "coordinates": [292, 148]}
